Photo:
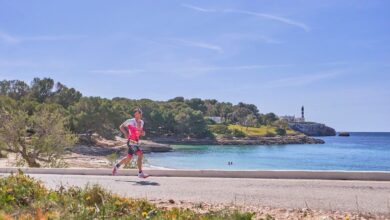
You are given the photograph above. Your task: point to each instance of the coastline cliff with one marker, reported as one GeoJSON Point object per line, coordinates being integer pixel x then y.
{"type": "Point", "coordinates": [312, 128]}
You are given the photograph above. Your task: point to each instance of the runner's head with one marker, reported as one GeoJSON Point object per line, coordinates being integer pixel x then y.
{"type": "Point", "coordinates": [137, 113]}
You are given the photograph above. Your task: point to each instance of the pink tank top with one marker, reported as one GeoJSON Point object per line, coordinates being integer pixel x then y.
{"type": "Point", "coordinates": [135, 128]}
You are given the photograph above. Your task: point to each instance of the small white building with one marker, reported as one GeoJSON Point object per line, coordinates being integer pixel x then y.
{"type": "Point", "coordinates": [289, 118]}
{"type": "Point", "coordinates": [216, 119]}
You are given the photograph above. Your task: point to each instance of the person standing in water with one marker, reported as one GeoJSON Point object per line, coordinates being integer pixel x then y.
{"type": "Point", "coordinates": [132, 129]}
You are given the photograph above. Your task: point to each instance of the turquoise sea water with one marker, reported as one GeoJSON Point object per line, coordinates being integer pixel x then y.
{"type": "Point", "coordinates": [360, 151]}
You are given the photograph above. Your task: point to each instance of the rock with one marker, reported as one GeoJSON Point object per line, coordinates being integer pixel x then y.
{"type": "Point", "coordinates": [278, 140]}
{"type": "Point", "coordinates": [171, 201]}
{"type": "Point", "coordinates": [312, 128]}
{"type": "Point", "coordinates": [344, 134]}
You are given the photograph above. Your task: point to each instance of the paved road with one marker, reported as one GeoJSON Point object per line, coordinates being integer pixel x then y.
{"type": "Point", "coordinates": [367, 196]}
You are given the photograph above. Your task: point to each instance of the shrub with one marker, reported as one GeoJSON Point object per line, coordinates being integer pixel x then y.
{"type": "Point", "coordinates": [220, 129]}
{"type": "Point", "coordinates": [270, 134]}
{"type": "Point", "coordinates": [281, 131]}
{"type": "Point", "coordinates": [209, 121]}
{"type": "Point", "coordinates": [23, 197]}
{"type": "Point", "coordinates": [39, 139]}
{"type": "Point", "coordinates": [237, 133]}
{"type": "Point", "coordinates": [20, 191]}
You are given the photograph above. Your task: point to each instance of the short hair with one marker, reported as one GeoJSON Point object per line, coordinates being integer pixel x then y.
{"type": "Point", "coordinates": [137, 110]}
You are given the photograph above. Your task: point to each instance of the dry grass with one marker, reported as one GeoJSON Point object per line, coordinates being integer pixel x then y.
{"type": "Point", "coordinates": [259, 131]}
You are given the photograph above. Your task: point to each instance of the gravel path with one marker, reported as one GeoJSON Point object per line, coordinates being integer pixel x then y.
{"type": "Point", "coordinates": [352, 196]}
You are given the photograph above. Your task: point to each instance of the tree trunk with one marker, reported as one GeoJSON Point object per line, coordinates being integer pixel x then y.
{"type": "Point", "coordinates": [31, 162]}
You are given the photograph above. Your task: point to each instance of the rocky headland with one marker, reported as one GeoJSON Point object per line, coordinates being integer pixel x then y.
{"type": "Point", "coordinates": [312, 128]}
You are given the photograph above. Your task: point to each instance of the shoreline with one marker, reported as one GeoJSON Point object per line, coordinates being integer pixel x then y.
{"type": "Point", "coordinates": [278, 140]}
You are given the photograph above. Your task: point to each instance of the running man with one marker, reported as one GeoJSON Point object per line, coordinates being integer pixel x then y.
{"type": "Point", "coordinates": [133, 129]}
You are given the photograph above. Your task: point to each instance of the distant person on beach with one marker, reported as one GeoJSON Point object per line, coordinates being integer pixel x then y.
{"type": "Point", "coordinates": [132, 129]}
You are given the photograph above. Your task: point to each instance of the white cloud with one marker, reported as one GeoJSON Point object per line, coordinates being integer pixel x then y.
{"type": "Point", "coordinates": [269, 40]}
{"type": "Point", "coordinates": [306, 79]}
{"type": "Point", "coordinates": [252, 37]}
{"type": "Point", "coordinates": [202, 45]}
{"type": "Point", "coordinates": [197, 8]}
{"type": "Point", "coordinates": [11, 39]}
{"type": "Point", "coordinates": [8, 38]}
{"type": "Point", "coordinates": [262, 15]}
{"type": "Point", "coordinates": [272, 17]}
{"type": "Point", "coordinates": [25, 63]}
{"type": "Point", "coordinates": [128, 72]}
{"type": "Point", "coordinates": [16, 63]}
{"type": "Point", "coordinates": [50, 38]}
{"type": "Point", "coordinates": [195, 68]}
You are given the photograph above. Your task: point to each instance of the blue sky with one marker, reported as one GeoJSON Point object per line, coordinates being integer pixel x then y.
{"type": "Point", "coordinates": [331, 56]}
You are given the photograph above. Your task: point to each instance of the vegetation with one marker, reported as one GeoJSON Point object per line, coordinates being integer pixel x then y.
{"type": "Point", "coordinates": [178, 116]}
{"type": "Point", "coordinates": [39, 121]}
{"type": "Point", "coordinates": [226, 131]}
{"type": "Point", "coordinates": [265, 130]}
{"type": "Point", "coordinates": [22, 197]}
{"type": "Point", "coordinates": [41, 136]}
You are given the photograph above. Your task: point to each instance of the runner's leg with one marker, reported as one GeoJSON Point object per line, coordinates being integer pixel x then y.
{"type": "Point", "coordinates": [124, 160]}
{"type": "Point", "coordinates": [139, 160]}
{"type": "Point", "coordinates": [140, 155]}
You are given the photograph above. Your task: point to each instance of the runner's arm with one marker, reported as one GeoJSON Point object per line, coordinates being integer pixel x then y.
{"type": "Point", "coordinates": [123, 129]}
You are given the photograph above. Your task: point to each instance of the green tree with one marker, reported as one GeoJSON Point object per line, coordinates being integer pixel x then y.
{"type": "Point", "coordinates": [280, 124]}
{"type": "Point", "coordinates": [40, 139]}
{"type": "Point", "coordinates": [168, 126]}
{"type": "Point", "coordinates": [281, 131]}
{"type": "Point", "coordinates": [240, 115]}
{"type": "Point", "coordinates": [190, 123]}
{"type": "Point", "coordinates": [94, 114]}
{"type": "Point", "coordinates": [212, 107]}
{"type": "Point", "coordinates": [251, 120]}
{"type": "Point", "coordinates": [65, 96]}
{"type": "Point", "coordinates": [177, 99]}
{"type": "Point", "coordinates": [41, 89]}
{"type": "Point", "coordinates": [156, 120]}
{"type": "Point", "coordinates": [226, 111]}
{"type": "Point", "coordinates": [269, 118]}
{"type": "Point", "coordinates": [197, 104]}
{"type": "Point", "coordinates": [15, 89]}
{"type": "Point", "coordinates": [252, 108]}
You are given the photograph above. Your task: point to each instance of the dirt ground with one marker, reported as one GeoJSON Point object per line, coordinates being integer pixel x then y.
{"type": "Point", "coordinates": [262, 212]}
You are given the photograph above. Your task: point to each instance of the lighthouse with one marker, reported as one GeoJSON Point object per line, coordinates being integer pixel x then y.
{"type": "Point", "coordinates": [303, 113]}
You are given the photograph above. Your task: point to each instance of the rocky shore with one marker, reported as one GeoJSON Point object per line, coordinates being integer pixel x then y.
{"type": "Point", "coordinates": [312, 128]}
{"type": "Point", "coordinates": [278, 140]}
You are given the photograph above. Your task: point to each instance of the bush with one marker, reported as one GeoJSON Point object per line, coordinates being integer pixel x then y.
{"type": "Point", "coordinates": [219, 129]}
{"type": "Point", "coordinates": [225, 131]}
{"type": "Point", "coordinates": [281, 131]}
{"type": "Point", "coordinates": [270, 134]}
{"type": "Point", "coordinates": [23, 197]}
{"type": "Point", "coordinates": [20, 191]}
{"type": "Point", "coordinates": [38, 139]}
{"type": "Point", "coordinates": [209, 121]}
{"type": "Point", "coordinates": [237, 133]}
